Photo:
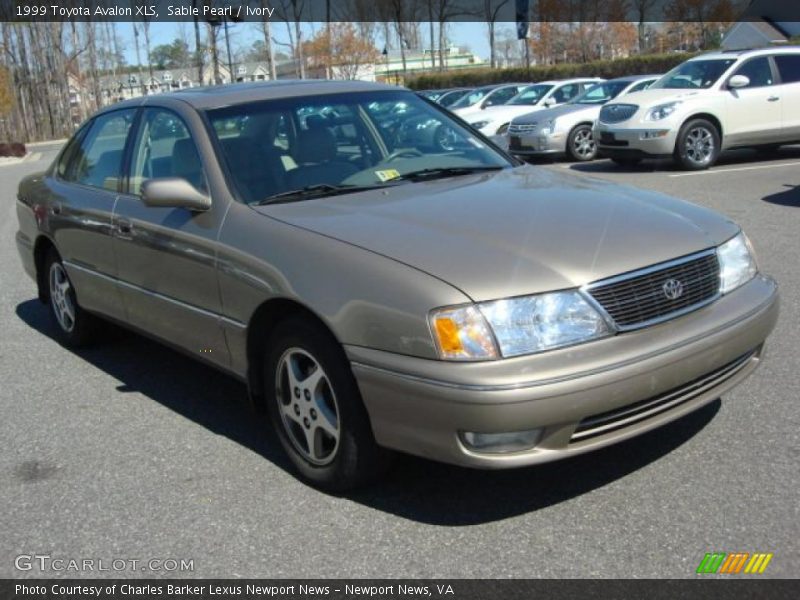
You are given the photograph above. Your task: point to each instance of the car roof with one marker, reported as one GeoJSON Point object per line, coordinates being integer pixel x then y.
{"type": "Point", "coordinates": [717, 54]}
{"type": "Point", "coordinates": [632, 78]}
{"type": "Point", "coordinates": [568, 80]}
{"type": "Point", "coordinates": [217, 96]}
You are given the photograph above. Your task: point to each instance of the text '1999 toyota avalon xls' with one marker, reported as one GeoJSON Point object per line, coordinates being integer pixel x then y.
{"type": "Point", "coordinates": [379, 290]}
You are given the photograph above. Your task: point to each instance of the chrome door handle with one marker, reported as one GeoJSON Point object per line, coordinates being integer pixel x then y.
{"type": "Point", "coordinates": [773, 98]}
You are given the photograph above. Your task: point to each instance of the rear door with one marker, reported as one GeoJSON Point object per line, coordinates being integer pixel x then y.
{"type": "Point", "coordinates": [167, 256]}
{"type": "Point", "coordinates": [754, 112]}
{"type": "Point", "coordinates": [84, 188]}
{"type": "Point", "coordinates": [789, 88]}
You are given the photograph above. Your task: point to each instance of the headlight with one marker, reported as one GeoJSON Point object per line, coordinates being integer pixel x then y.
{"type": "Point", "coordinates": [502, 129]}
{"type": "Point", "coordinates": [662, 111]}
{"type": "Point", "coordinates": [480, 124]}
{"type": "Point", "coordinates": [516, 326]}
{"type": "Point", "coordinates": [737, 263]}
{"type": "Point", "coordinates": [549, 126]}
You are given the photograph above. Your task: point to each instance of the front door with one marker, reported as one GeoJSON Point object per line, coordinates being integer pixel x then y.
{"type": "Point", "coordinates": [167, 256]}
{"type": "Point", "coordinates": [754, 112]}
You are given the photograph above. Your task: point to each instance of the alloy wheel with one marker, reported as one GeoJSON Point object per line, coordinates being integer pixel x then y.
{"type": "Point", "coordinates": [61, 297]}
{"type": "Point", "coordinates": [307, 406]}
{"type": "Point", "coordinates": [583, 144]}
{"type": "Point", "coordinates": [699, 145]}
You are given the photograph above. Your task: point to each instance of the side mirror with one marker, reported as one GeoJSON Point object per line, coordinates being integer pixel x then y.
{"type": "Point", "coordinates": [738, 81]}
{"type": "Point", "coordinates": [550, 101]}
{"type": "Point", "coordinates": [174, 192]}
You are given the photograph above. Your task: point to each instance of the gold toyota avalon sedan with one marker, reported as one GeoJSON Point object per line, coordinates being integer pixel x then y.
{"type": "Point", "coordinates": [385, 279]}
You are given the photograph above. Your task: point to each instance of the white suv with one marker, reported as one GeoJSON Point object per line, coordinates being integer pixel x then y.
{"type": "Point", "coordinates": [705, 105]}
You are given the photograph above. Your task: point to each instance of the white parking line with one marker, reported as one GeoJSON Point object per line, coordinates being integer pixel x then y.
{"type": "Point", "coordinates": [712, 172]}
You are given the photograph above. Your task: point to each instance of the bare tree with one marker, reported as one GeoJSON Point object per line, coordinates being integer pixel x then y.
{"type": "Point", "coordinates": [291, 13]}
{"type": "Point", "coordinates": [643, 8]}
{"type": "Point", "coordinates": [198, 50]}
{"type": "Point", "coordinates": [491, 12]}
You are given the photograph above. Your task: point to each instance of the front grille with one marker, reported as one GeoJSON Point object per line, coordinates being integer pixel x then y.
{"type": "Point", "coordinates": [517, 128]}
{"type": "Point", "coordinates": [651, 295]}
{"type": "Point", "coordinates": [625, 416]}
{"type": "Point", "coordinates": [617, 113]}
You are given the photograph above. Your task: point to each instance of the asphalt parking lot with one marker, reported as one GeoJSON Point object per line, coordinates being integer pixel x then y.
{"type": "Point", "coordinates": [129, 450]}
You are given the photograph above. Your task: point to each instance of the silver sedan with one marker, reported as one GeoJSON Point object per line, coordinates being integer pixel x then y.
{"type": "Point", "coordinates": [567, 129]}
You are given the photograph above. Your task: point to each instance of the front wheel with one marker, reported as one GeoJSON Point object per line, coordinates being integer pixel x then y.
{"type": "Point", "coordinates": [580, 144]}
{"type": "Point", "coordinates": [316, 408]}
{"type": "Point", "coordinates": [698, 145]}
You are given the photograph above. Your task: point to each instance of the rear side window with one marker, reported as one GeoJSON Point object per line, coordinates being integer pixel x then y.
{"type": "Point", "coordinates": [96, 160]}
{"type": "Point", "coordinates": [788, 67]}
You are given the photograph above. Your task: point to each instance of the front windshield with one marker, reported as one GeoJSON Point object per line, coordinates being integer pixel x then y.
{"type": "Point", "coordinates": [694, 74]}
{"type": "Point", "coordinates": [601, 93]}
{"type": "Point", "coordinates": [531, 94]}
{"type": "Point", "coordinates": [473, 97]}
{"type": "Point", "coordinates": [355, 139]}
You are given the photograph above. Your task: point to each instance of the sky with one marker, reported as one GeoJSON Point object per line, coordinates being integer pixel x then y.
{"type": "Point", "coordinates": [474, 35]}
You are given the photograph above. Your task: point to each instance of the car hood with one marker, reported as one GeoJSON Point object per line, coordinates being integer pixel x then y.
{"type": "Point", "coordinates": [651, 97]}
{"type": "Point", "coordinates": [514, 232]}
{"type": "Point", "coordinates": [558, 111]}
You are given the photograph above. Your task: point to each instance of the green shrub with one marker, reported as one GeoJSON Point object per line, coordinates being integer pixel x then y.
{"type": "Point", "coordinates": [635, 65]}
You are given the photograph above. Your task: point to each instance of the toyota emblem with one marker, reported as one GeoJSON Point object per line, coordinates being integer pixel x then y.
{"type": "Point", "coordinates": [673, 289]}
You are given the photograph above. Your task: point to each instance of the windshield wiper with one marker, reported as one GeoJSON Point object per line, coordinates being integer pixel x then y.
{"type": "Point", "coordinates": [310, 192]}
{"type": "Point", "coordinates": [441, 172]}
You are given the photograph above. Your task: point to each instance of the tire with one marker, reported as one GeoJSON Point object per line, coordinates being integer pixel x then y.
{"type": "Point", "coordinates": [698, 145]}
{"type": "Point", "coordinates": [626, 162]}
{"type": "Point", "coordinates": [581, 146]}
{"type": "Point", "coordinates": [322, 425]}
{"type": "Point", "coordinates": [74, 326]}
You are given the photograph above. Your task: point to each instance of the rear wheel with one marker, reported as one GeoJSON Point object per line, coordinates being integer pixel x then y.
{"type": "Point", "coordinates": [316, 408]}
{"type": "Point", "coordinates": [698, 145]}
{"type": "Point", "coordinates": [74, 325]}
{"type": "Point", "coordinates": [580, 144]}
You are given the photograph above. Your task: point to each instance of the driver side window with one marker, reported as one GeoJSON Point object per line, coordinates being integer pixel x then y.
{"type": "Point", "coordinates": [758, 71]}
{"type": "Point", "coordinates": [565, 93]}
{"type": "Point", "coordinates": [164, 148]}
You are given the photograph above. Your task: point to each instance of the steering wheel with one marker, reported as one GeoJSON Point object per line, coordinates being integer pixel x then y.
{"type": "Point", "coordinates": [404, 153]}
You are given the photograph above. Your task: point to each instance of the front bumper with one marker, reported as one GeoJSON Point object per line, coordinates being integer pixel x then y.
{"type": "Point", "coordinates": [537, 144]}
{"type": "Point", "coordinates": [419, 406]}
{"type": "Point", "coordinates": [617, 141]}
